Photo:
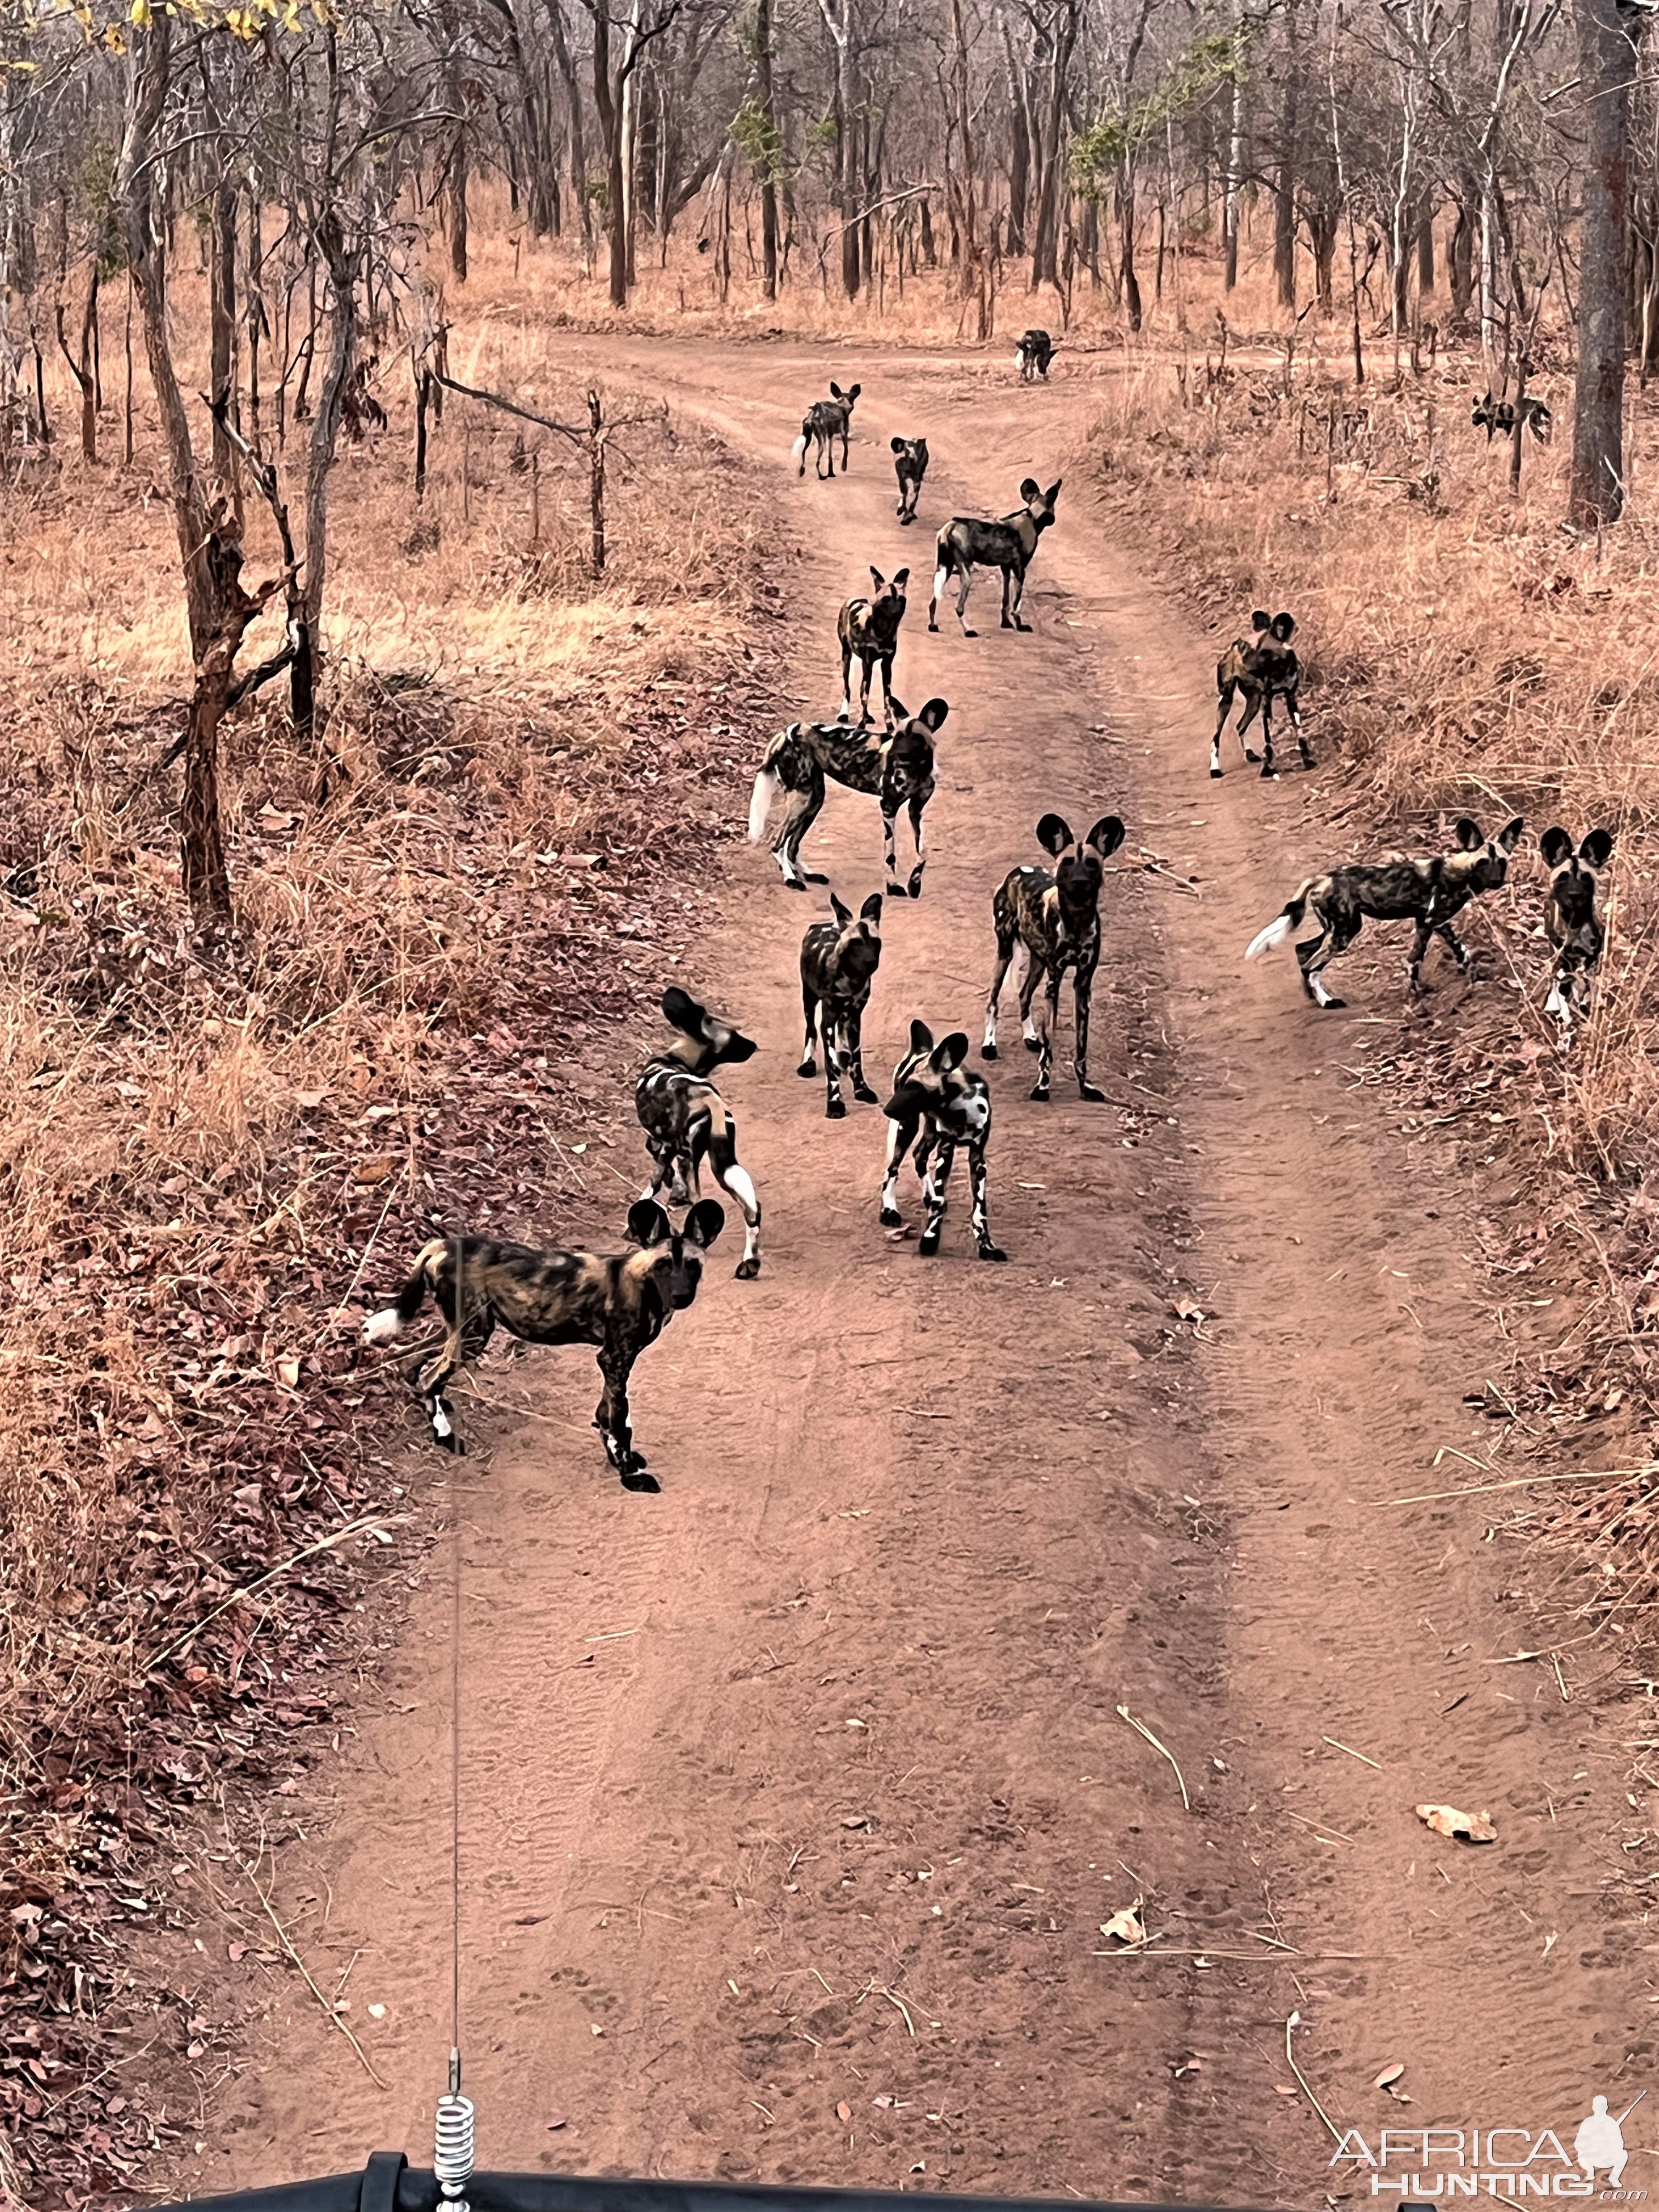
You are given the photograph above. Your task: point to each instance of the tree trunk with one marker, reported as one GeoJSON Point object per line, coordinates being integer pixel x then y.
{"type": "Point", "coordinates": [221, 319]}
{"type": "Point", "coordinates": [1019, 148]}
{"type": "Point", "coordinates": [1126, 223]}
{"type": "Point", "coordinates": [1607, 68]}
{"type": "Point", "coordinates": [1285, 171]}
{"type": "Point", "coordinates": [1425, 246]}
{"type": "Point", "coordinates": [1235, 165]}
{"type": "Point", "coordinates": [769, 182]}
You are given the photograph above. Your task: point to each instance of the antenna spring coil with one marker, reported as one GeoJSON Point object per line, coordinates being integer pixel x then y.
{"type": "Point", "coordinates": [453, 2152]}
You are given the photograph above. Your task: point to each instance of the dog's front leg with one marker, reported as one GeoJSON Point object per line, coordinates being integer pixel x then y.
{"type": "Point", "coordinates": [900, 1137]}
{"type": "Point", "coordinates": [1414, 984]}
{"type": "Point", "coordinates": [834, 1059]}
{"type": "Point", "coordinates": [1048, 1023]}
{"type": "Point", "coordinates": [890, 857]}
{"type": "Point", "coordinates": [1083, 983]}
{"type": "Point", "coordinates": [862, 1090]}
{"type": "Point", "coordinates": [1268, 768]}
{"type": "Point", "coordinates": [915, 810]}
{"type": "Point", "coordinates": [610, 1417]}
{"type": "Point", "coordinates": [1458, 951]}
{"type": "Point", "coordinates": [988, 1250]}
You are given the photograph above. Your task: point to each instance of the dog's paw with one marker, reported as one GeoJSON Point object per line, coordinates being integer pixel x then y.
{"type": "Point", "coordinates": [640, 1479]}
{"type": "Point", "coordinates": [746, 1270]}
{"type": "Point", "coordinates": [897, 890]}
{"type": "Point", "coordinates": [889, 1220]}
{"type": "Point", "coordinates": [914, 887]}
{"type": "Point", "coordinates": [927, 1248]}
{"type": "Point", "coordinates": [864, 1095]}
{"type": "Point", "coordinates": [836, 1110]}
{"type": "Point", "coordinates": [1040, 1093]}
{"type": "Point", "coordinates": [807, 1067]}
{"type": "Point", "coordinates": [987, 1052]}
{"type": "Point", "coordinates": [1031, 1044]}
{"type": "Point", "coordinates": [795, 883]}
{"type": "Point", "coordinates": [1091, 1094]}
{"type": "Point", "coordinates": [992, 1252]}
{"type": "Point", "coordinates": [1216, 772]}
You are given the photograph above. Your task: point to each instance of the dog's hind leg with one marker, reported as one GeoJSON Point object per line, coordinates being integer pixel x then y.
{"type": "Point", "coordinates": [457, 1351]}
{"type": "Point", "coordinates": [900, 1135]}
{"type": "Point", "coordinates": [1005, 954]}
{"type": "Point", "coordinates": [1414, 984]}
{"type": "Point", "coordinates": [809, 1064]}
{"type": "Point", "coordinates": [933, 1198]}
{"type": "Point", "coordinates": [862, 1090]}
{"type": "Point", "coordinates": [1018, 577]}
{"type": "Point", "coordinates": [966, 572]}
{"type": "Point", "coordinates": [1315, 954]}
{"type": "Point", "coordinates": [1226, 694]}
{"type": "Point", "coordinates": [1268, 768]}
{"type": "Point", "coordinates": [988, 1250]}
{"type": "Point", "coordinates": [846, 682]}
{"type": "Point", "coordinates": [1252, 708]}
{"type": "Point", "coordinates": [733, 1178]}
{"type": "Point", "coordinates": [1458, 951]}
{"type": "Point", "coordinates": [801, 810]}
{"type": "Point", "coordinates": [1031, 977]}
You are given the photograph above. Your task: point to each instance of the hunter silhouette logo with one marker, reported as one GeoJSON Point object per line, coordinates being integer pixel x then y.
{"type": "Point", "coordinates": [1412, 2164]}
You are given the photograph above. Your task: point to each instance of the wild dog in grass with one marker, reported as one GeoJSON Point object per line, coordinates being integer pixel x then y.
{"type": "Point", "coordinates": [619, 1301]}
{"type": "Point", "coordinates": [838, 963]}
{"type": "Point", "coordinates": [938, 1104]}
{"type": "Point", "coordinates": [687, 1121]}
{"type": "Point", "coordinates": [1430, 893]}
{"type": "Point", "coordinates": [1056, 918]}
{"type": "Point", "coordinates": [897, 768]}
{"type": "Point", "coordinates": [1261, 668]}
{"type": "Point", "coordinates": [1496, 416]}
{"type": "Point", "coordinates": [910, 466]}
{"type": "Point", "coordinates": [1033, 351]}
{"type": "Point", "coordinates": [869, 627]}
{"type": "Point", "coordinates": [967, 543]}
{"type": "Point", "coordinates": [826, 421]}
{"type": "Point", "coordinates": [1576, 929]}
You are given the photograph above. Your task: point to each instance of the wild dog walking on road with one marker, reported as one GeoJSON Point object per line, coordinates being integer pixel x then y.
{"type": "Point", "coordinates": [838, 963]}
{"type": "Point", "coordinates": [910, 466]}
{"type": "Point", "coordinates": [897, 768]}
{"type": "Point", "coordinates": [967, 543]}
{"type": "Point", "coordinates": [686, 1120]}
{"type": "Point", "coordinates": [619, 1301]}
{"type": "Point", "coordinates": [1056, 918]}
{"type": "Point", "coordinates": [1430, 893]}
{"type": "Point", "coordinates": [938, 1104]}
{"type": "Point", "coordinates": [1575, 928]}
{"type": "Point", "coordinates": [1033, 352]}
{"type": "Point", "coordinates": [826, 421]}
{"type": "Point", "coordinates": [870, 628]}
{"type": "Point", "coordinates": [1261, 668]}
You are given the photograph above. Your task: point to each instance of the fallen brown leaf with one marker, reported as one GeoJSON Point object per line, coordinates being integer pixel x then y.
{"type": "Point", "coordinates": [1447, 1820]}
{"type": "Point", "coordinates": [376, 1169]}
{"type": "Point", "coordinates": [1125, 1927]}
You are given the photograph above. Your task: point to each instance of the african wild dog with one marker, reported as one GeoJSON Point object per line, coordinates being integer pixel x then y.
{"type": "Point", "coordinates": [870, 628]}
{"type": "Point", "coordinates": [1497, 417]}
{"type": "Point", "coordinates": [838, 963]}
{"type": "Point", "coordinates": [897, 768]}
{"type": "Point", "coordinates": [966, 543]}
{"type": "Point", "coordinates": [910, 466]}
{"type": "Point", "coordinates": [1033, 352]}
{"type": "Point", "coordinates": [619, 1301]}
{"type": "Point", "coordinates": [1428, 892]}
{"type": "Point", "coordinates": [1261, 668]}
{"type": "Point", "coordinates": [1576, 930]}
{"type": "Point", "coordinates": [938, 1104]}
{"type": "Point", "coordinates": [686, 1120]}
{"type": "Point", "coordinates": [826, 421]}
{"type": "Point", "coordinates": [1056, 918]}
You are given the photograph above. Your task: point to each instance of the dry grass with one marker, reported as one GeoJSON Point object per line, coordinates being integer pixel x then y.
{"type": "Point", "coordinates": [206, 1160]}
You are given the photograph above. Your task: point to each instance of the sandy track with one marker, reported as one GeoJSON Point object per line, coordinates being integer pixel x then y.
{"type": "Point", "coordinates": [832, 1818]}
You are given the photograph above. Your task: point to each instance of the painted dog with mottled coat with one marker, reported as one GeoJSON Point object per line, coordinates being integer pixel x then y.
{"type": "Point", "coordinates": [895, 768]}
{"type": "Point", "coordinates": [910, 466]}
{"type": "Point", "coordinates": [937, 1105]}
{"type": "Point", "coordinates": [869, 627]}
{"type": "Point", "coordinates": [1057, 919]}
{"type": "Point", "coordinates": [1430, 893]}
{"type": "Point", "coordinates": [1261, 668]}
{"type": "Point", "coordinates": [838, 963]}
{"type": "Point", "coordinates": [687, 1121]}
{"type": "Point", "coordinates": [1576, 930]}
{"type": "Point", "coordinates": [968, 542]}
{"type": "Point", "coordinates": [1033, 351]}
{"type": "Point", "coordinates": [620, 1302]}
{"type": "Point", "coordinates": [827, 420]}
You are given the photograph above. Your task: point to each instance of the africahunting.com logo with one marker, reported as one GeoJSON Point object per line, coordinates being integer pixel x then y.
{"type": "Point", "coordinates": [1412, 2164]}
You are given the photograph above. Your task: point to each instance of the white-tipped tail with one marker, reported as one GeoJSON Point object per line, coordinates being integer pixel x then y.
{"type": "Point", "coordinates": [1275, 933]}
{"type": "Point", "coordinates": [381, 1328]}
{"type": "Point", "coordinates": [799, 448]}
{"type": "Point", "coordinates": [766, 790]}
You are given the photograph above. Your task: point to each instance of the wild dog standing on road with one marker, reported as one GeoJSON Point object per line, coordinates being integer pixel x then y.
{"type": "Point", "coordinates": [619, 1301]}
{"type": "Point", "coordinates": [838, 963]}
{"type": "Point", "coordinates": [870, 628]}
{"type": "Point", "coordinates": [910, 466]}
{"type": "Point", "coordinates": [826, 421]}
{"type": "Point", "coordinates": [897, 768]}
{"type": "Point", "coordinates": [686, 1120]}
{"type": "Point", "coordinates": [938, 1104]}
{"type": "Point", "coordinates": [1262, 667]}
{"type": "Point", "coordinates": [1056, 918]}
{"type": "Point", "coordinates": [966, 542]}
{"type": "Point", "coordinates": [1033, 352]}
{"type": "Point", "coordinates": [1575, 928]}
{"type": "Point", "coordinates": [1428, 892]}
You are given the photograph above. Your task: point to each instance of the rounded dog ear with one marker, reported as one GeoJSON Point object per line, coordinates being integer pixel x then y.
{"type": "Point", "coordinates": [901, 578]}
{"type": "Point", "coordinates": [922, 1037]}
{"type": "Point", "coordinates": [1597, 848]}
{"type": "Point", "coordinates": [876, 577]}
{"type": "Point", "coordinates": [1107, 836]}
{"type": "Point", "coordinates": [897, 445]}
{"type": "Point", "coordinates": [950, 1052]}
{"type": "Point", "coordinates": [1261, 620]}
{"type": "Point", "coordinates": [647, 1225]}
{"type": "Point", "coordinates": [1029, 489]}
{"type": "Point", "coordinates": [1468, 833]}
{"type": "Point", "coordinates": [870, 910]}
{"type": "Point", "coordinates": [1510, 836]}
{"type": "Point", "coordinates": [1284, 628]}
{"type": "Point", "coordinates": [682, 1012]}
{"type": "Point", "coordinates": [933, 715]}
{"type": "Point", "coordinates": [704, 1223]}
{"type": "Point", "coordinates": [843, 913]}
{"type": "Point", "coordinates": [853, 391]}
{"type": "Point", "coordinates": [1556, 846]}
{"type": "Point", "coordinates": [835, 392]}
{"type": "Point", "coordinates": [1053, 832]}
{"type": "Point", "coordinates": [1053, 492]}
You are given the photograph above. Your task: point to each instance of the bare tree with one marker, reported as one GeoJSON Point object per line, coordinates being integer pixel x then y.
{"type": "Point", "coordinates": [1607, 70]}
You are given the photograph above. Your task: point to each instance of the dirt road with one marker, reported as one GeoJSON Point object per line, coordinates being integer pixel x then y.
{"type": "Point", "coordinates": [796, 1798]}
